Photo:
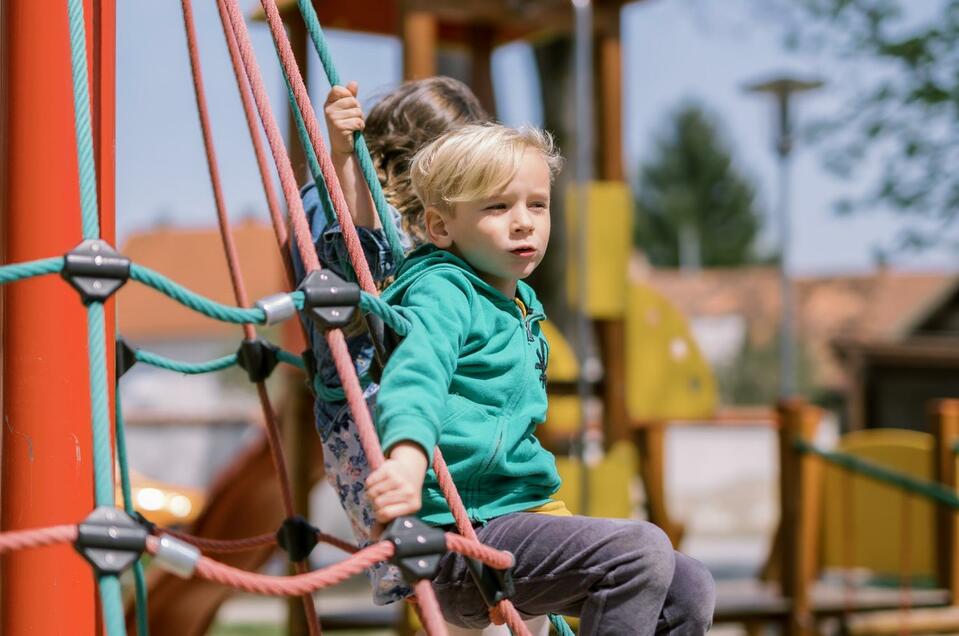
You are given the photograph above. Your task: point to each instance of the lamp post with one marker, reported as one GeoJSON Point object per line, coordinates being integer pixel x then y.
{"type": "Point", "coordinates": [783, 88]}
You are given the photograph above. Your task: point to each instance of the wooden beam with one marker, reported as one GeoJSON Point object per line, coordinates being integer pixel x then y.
{"type": "Point", "coordinates": [419, 45]}
{"type": "Point", "coordinates": [610, 74]}
{"type": "Point", "coordinates": [945, 428]}
{"type": "Point", "coordinates": [800, 483]}
{"type": "Point", "coordinates": [650, 440]}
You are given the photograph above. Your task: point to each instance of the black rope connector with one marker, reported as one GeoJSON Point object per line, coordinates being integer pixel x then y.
{"type": "Point", "coordinates": [258, 358]}
{"type": "Point", "coordinates": [493, 585]}
{"type": "Point", "coordinates": [419, 548]}
{"type": "Point", "coordinates": [329, 299]}
{"type": "Point", "coordinates": [297, 537]}
{"type": "Point", "coordinates": [126, 357]}
{"type": "Point", "coordinates": [110, 540]}
{"type": "Point", "coordinates": [95, 270]}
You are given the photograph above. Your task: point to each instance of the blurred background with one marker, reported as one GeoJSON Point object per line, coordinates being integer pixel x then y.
{"type": "Point", "coordinates": [760, 196]}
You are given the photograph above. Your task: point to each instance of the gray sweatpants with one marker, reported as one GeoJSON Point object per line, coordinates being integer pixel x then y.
{"type": "Point", "coordinates": [619, 577]}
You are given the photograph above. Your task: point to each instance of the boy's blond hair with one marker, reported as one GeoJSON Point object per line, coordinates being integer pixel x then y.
{"type": "Point", "coordinates": [475, 162]}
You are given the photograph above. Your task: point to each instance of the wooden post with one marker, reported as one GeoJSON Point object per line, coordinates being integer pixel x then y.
{"type": "Point", "coordinates": [611, 332]}
{"type": "Point", "coordinates": [800, 484]}
{"type": "Point", "coordinates": [419, 45]}
{"type": "Point", "coordinates": [945, 428]}
{"type": "Point", "coordinates": [481, 37]}
{"type": "Point", "coordinates": [650, 440]}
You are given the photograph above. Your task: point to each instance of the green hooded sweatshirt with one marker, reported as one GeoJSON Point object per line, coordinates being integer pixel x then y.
{"type": "Point", "coordinates": [471, 377]}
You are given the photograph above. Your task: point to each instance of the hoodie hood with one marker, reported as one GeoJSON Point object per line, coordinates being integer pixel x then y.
{"type": "Point", "coordinates": [427, 257]}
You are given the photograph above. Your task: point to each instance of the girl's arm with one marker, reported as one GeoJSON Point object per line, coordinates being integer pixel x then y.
{"type": "Point", "coordinates": [343, 117]}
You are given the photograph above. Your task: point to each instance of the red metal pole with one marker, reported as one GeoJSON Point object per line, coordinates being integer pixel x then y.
{"type": "Point", "coordinates": [47, 467]}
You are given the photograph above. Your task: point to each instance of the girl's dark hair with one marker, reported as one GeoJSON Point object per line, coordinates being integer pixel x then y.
{"type": "Point", "coordinates": [404, 121]}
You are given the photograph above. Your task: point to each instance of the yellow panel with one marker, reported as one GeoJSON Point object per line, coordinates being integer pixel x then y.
{"type": "Point", "coordinates": [667, 376]}
{"type": "Point", "coordinates": [563, 414]}
{"type": "Point", "coordinates": [562, 365]}
{"type": "Point", "coordinates": [863, 519]}
{"type": "Point", "coordinates": [609, 482]}
{"type": "Point", "coordinates": [609, 230]}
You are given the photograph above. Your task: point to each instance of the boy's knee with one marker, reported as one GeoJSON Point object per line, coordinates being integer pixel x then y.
{"type": "Point", "coordinates": [694, 593]}
{"type": "Point", "coordinates": [645, 548]}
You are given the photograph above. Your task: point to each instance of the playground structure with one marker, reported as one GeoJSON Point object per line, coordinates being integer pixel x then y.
{"type": "Point", "coordinates": [629, 325]}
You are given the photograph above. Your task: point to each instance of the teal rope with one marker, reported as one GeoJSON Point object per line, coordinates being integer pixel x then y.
{"type": "Point", "coordinates": [928, 489]}
{"type": "Point", "coordinates": [102, 447]}
{"type": "Point", "coordinates": [217, 364]}
{"type": "Point", "coordinates": [81, 113]}
{"type": "Point", "coordinates": [326, 202]}
{"type": "Point", "coordinates": [111, 598]}
{"type": "Point", "coordinates": [29, 269]}
{"type": "Point", "coordinates": [104, 495]}
{"type": "Point", "coordinates": [192, 368]}
{"type": "Point", "coordinates": [198, 303]}
{"type": "Point", "coordinates": [312, 162]}
{"type": "Point", "coordinates": [290, 358]}
{"type": "Point", "coordinates": [388, 313]}
{"type": "Point", "coordinates": [139, 579]}
{"type": "Point", "coordinates": [560, 625]}
{"type": "Point", "coordinates": [359, 142]}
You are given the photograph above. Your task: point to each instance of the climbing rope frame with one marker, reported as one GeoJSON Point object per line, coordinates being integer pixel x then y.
{"type": "Point", "coordinates": [112, 541]}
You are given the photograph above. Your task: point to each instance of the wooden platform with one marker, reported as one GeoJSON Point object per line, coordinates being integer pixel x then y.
{"type": "Point", "coordinates": [752, 600]}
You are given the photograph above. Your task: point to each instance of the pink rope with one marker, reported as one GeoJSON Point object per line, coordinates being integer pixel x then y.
{"type": "Point", "coordinates": [302, 98]}
{"type": "Point", "coordinates": [243, 86]}
{"type": "Point", "coordinates": [428, 609]}
{"type": "Point", "coordinates": [492, 557]}
{"type": "Point", "coordinates": [296, 585]}
{"type": "Point", "coordinates": [224, 546]}
{"type": "Point", "coordinates": [236, 278]}
{"type": "Point", "coordinates": [37, 537]}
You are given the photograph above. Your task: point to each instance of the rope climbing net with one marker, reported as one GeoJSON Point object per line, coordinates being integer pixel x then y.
{"type": "Point", "coordinates": [111, 539]}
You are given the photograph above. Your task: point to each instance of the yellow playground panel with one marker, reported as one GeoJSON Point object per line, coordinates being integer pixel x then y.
{"type": "Point", "coordinates": [667, 375]}
{"type": "Point", "coordinates": [863, 524]}
{"type": "Point", "coordinates": [608, 244]}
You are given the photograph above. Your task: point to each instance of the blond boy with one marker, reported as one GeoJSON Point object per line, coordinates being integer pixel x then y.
{"type": "Point", "coordinates": [471, 378]}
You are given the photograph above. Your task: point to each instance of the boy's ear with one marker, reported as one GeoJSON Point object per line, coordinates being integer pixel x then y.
{"type": "Point", "coordinates": [436, 228]}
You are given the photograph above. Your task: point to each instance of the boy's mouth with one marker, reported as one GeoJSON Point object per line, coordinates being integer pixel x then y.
{"type": "Point", "coordinates": [525, 251]}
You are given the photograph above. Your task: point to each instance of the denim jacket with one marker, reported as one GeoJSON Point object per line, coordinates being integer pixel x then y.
{"type": "Point", "coordinates": [344, 461]}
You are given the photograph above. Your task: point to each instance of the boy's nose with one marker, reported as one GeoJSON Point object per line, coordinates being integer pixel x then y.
{"type": "Point", "coordinates": [522, 220]}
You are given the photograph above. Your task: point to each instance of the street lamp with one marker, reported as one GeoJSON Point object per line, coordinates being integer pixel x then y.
{"type": "Point", "coordinates": [783, 88]}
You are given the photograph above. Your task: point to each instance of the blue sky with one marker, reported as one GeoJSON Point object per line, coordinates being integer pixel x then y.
{"type": "Point", "coordinates": [674, 50]}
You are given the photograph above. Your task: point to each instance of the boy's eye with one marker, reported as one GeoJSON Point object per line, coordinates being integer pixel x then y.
{"type": "Point", "coordinates": [539, 204]}
{"type": "Point", "coordinates": [495, 206]}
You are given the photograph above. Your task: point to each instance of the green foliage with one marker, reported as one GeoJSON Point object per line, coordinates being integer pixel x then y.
{"type": "Point", "coordinates": [900, 109]}
{"type": "Point", "coordinates": [753, 377]}
{"type": "Point", "coordinates": [694, 207]}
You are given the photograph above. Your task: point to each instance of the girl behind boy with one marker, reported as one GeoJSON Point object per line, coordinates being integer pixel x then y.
{"type": "Point", "coordinates": [398, 125]}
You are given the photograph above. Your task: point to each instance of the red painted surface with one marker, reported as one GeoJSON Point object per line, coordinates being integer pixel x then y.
{"type": "Point", "coordinates": [47, 467]}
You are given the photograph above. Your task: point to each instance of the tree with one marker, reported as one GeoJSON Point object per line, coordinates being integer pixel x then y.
{"type": "Point", "coordinates": [899, 113]}
{"type": "Point", "coordinates": [694, 207]}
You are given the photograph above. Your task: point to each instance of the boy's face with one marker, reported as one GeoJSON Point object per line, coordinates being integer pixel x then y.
{"type": "Point", "coordinates": [504, 237]}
